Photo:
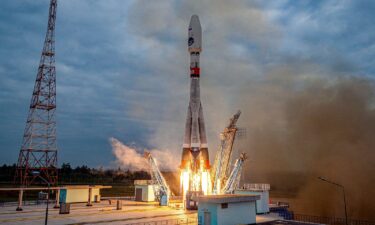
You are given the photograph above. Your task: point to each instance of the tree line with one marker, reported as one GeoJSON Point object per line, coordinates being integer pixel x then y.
{"type": "Point", "coordinates": [83, 175]}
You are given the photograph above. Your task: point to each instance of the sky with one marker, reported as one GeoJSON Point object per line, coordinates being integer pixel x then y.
{"type": "Point", "coordinates": [122, 66]}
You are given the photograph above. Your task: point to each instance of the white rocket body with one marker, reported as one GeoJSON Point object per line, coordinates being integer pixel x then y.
{"type": "Point", "coordinates": [195, 148]}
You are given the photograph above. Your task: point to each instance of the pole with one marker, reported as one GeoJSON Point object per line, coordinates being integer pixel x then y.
{"type": "Point", "coordinates": [46, 220]}
{"type": "Point", "coordinates": [37, 173]}
{"type": "Point", "coordinates": [89, 197]}
{"type": "Point", "coordinates": [346, 213]}
{"type": "Point", "coordinates": [344, 196]}
{"type": "Point", "coordinates": [57, 202]}
{"type": "Point", "coordinates": [20, 198]}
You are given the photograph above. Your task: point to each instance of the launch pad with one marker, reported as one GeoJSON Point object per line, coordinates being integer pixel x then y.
{"type": "Point", "coordinates": [103, 213]}
{"type": "Point", "coordinates": [100, 213]}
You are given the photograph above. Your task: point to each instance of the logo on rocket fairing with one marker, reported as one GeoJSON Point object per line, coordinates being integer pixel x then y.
{"type": "Point", "coordinates": [190, 41]}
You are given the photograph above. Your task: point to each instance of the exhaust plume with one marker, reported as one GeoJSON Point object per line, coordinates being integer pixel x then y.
{"type": "Point", "coordinates": [132, 159]}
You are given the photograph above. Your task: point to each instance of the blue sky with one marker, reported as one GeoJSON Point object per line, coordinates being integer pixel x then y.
{"type": "Point", "coordinates": [122, 66]}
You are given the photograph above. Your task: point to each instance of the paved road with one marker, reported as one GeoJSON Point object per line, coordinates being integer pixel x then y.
{"type": "Point", "coordinates": [100, 213]}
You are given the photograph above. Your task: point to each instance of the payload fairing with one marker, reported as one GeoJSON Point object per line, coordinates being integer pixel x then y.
{"type": "Point", "coordinates": [195, 162]}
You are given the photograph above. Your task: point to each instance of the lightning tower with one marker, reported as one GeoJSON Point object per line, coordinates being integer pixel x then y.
{"type": "Point", "coordinates": [38, 154]}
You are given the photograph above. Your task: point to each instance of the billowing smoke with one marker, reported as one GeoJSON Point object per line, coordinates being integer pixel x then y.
{"type": "Point", "coordinates": [131, 158]}
{"type": "Point", "coordinates": [299, 128]}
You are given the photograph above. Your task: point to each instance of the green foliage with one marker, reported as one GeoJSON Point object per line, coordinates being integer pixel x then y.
{"type": "Point", "coordinates": [83, 175]}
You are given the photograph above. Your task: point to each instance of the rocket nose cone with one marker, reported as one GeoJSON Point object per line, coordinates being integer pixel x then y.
{"type": "Point", "coordinates": [194, 21]}
{"type": "Point", "coordinates": [195, 34]}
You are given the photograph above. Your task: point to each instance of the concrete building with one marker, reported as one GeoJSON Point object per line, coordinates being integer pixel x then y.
{"type": "Point", "coordinates": [79, 194]}
{"type": "Point", "coordinates": [262, 205]}
{"type": "Point", "coordinates": [227, 209]}
{"type": "Point", "coordinates": [144, 191]}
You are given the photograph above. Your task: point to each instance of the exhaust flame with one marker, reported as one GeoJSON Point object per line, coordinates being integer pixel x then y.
{"type": "Point", "coordinates": [206, 181]}
{"type": "Point", "coordinates": [184, 178]}
{"type": "Point", "coordinates": [199, 181]}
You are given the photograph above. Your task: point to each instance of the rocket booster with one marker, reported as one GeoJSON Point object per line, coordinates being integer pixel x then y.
{"type": "Point", "coordinates": [195, 149]}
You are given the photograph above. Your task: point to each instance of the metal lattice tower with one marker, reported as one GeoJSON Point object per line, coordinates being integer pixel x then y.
{"type": "Point", "coordinates": [161, 187]}
{"type": "Point", "coordinates": [39, 149]}
{"type": "Point", "coordinates": [233, 181]}
{"type": "Point", "coordinates": [221, 168]}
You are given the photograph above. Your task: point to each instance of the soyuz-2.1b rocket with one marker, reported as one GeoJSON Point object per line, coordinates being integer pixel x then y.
{"type": "Point", "coordinates": [195, 162]}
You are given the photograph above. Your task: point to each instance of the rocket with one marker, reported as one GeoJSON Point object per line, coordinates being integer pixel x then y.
{"type": "Point", "coordinates": [195, 148]}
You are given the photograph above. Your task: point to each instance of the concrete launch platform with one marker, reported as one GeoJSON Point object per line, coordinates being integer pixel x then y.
{"type": "Point", "coordinates": [103, 213]}
{"type": "Point", "coordinates": [100, 213]}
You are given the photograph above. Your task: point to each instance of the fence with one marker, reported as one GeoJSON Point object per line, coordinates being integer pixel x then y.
{"type": "Point", "coordinates": [330, 220]}
{"type": "Point", "coordinates": [183, 221]}
{"type": "Point", "coordinates": [31, 202]}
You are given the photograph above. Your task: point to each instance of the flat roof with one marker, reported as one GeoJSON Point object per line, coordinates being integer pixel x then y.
{"type": "Point", "coordinates": [228, 198]}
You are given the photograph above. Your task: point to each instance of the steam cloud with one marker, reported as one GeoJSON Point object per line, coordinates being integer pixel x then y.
{"type": "Point", "coordinates": [132, 159]}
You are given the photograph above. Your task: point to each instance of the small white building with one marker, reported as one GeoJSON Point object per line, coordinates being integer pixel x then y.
{"type": "Point", "coordinates": [144, 191]}
{"type": "Point", "coordinates": [79, 194]}
{"type": "Point", "coordinates": [262, 205]}
{"type": "Point", "coordinates": [226, 209]}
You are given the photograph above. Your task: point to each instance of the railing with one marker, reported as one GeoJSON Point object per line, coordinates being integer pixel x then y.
{"type": "Point", "coordinates": [278, 205]}
{"type": "Point", "coordinates": [183, 221]}
{"type": "Point", "coordinates": [257, 187]}
{"type": "Point", "coordinates": [329, 220]}
{"type": "Point", "coordinates": [130, 198]}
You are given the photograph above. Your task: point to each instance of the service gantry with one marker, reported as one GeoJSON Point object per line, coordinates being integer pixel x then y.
{"type": "Point", "coordinates": [221, 167]}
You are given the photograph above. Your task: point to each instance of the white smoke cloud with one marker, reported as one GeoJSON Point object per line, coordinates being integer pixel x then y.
{"type": "Point", "coordinates": [132, 159]}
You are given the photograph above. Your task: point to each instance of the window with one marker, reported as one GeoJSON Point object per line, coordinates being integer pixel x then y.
{"type": "Point", "coordinates": [224, 205]}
